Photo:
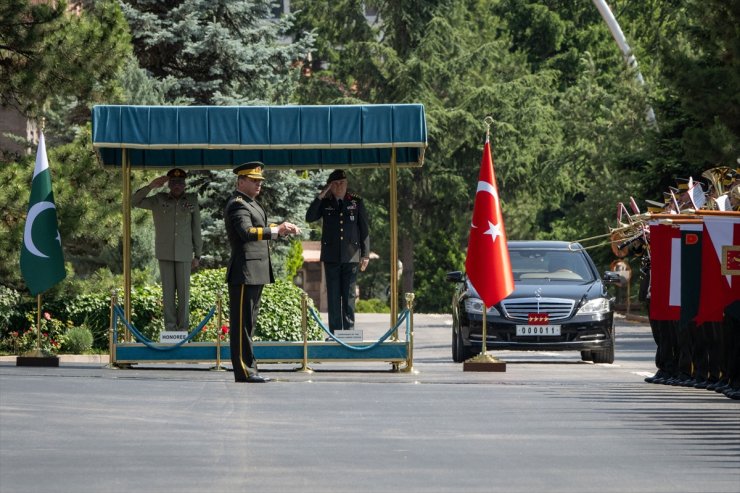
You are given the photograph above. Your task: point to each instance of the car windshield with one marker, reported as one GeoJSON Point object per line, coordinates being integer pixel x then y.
{"type": "Point", "coordinates": [530, 265]}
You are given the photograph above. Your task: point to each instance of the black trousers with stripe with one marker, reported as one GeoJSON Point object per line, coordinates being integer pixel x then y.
{"type": "Point", "coordinates": [341, 279]}
{"type": "Point", "coordinates": [244, 305]}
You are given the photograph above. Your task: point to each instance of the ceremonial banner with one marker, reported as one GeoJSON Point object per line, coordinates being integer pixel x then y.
{"type": "Point", "coordinates": [691, 269]}
{"type": "Point", "coordinates": [720, 277]}
{"type": "Point", "coordinates": [665, 272]}
{"type": "Point", "coordinates": [487, 263]}
{"type": "Point", "coordinates": [42, 260]}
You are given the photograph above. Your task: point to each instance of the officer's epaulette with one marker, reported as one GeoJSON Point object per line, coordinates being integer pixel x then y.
{"type": "Point", "coordinates": [354, 196]}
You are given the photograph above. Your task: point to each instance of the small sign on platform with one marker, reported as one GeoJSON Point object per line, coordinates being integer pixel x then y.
{"type": "Point", "coordinates": [349, 335]}
{"type": "Point", "coordinates": [172, 336]}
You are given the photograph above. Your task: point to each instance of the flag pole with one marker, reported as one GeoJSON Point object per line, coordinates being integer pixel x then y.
{"type": "Point", "coordinates": [484, 361]}
{"type": "Point", "coordinates": [487, 121]}
{"type": "Point", "coordinates": [38, 324]}
{"type": "Point", "coordinates": [40, 277]}
{"type": "Point", "coordinates": [37, 353]}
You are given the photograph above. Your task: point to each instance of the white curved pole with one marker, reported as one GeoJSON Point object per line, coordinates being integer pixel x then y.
{"type": "Point", "coordinates": [629, 57]}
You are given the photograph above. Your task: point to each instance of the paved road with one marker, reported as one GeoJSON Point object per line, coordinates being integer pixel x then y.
{"type": "Point", "coordinates": [549, 423]}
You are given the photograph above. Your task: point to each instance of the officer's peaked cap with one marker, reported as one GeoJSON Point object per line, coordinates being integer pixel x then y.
{"type": "Point", "coordinates": [252, 169]}
{"type": "Point", "coordinates": [177, 173]}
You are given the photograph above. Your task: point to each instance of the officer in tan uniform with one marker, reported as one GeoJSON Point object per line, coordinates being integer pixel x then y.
{"type": "Point", "coordinates": [178, 244]}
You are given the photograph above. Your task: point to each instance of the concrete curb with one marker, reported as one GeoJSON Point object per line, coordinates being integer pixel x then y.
{"type": "Point", "coordinates": [102, 359]}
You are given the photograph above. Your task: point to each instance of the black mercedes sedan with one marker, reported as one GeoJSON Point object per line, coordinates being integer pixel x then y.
{"type": "Point", "coordinates": [559, 303]}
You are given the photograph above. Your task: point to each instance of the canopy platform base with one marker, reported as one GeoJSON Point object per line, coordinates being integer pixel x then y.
{"type": "Point", "coordinates": [265, 352]}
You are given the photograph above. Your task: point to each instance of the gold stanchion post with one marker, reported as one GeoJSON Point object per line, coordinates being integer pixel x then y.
{"type": "Point", "coordinates": [219, 322]}
{"type": "Point", "coordinates": [304, 328]}
{"type": "Point", "coordinates": [111, 331]}
{"type": "Point", "coordinates": [409, 368]}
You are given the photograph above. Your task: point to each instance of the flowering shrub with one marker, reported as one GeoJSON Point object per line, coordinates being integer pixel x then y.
{"type": "Point", "coordinates": [89, 307]}
{"type": "Point", "coordinates": [26, 339]}
{"type": "Point", "coordinates": [211, 333]}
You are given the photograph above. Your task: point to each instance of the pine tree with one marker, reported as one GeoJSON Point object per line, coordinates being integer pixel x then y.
{"type": "Point", "coordinates": [465, 61]}
{"type": "Point", "coordinates": [216, 51]}
{"type": "Point", "coordinates": [56, 63]}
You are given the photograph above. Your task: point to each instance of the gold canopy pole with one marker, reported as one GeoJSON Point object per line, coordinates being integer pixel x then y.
{"type": "Point", "coordinates": [394, 239]}
{"type": "Point", "coordinates": [126, 177]}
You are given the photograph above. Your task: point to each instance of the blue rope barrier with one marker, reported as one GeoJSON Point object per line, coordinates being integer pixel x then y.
{"type": "Point", "coordinates": [404, 316]}
{"type": "Point", "coordinates": [118, 313]}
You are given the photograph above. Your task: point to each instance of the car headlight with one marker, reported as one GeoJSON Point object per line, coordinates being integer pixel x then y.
{"type": "Point", "coordinates": [596, 305]}
{"type": "Point", "coordinates": [475, 306]}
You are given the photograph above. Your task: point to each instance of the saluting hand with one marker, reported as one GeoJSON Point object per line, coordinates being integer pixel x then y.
{"type": "Point", "coordinates": [325, 190]}
{"type": "Point", "coordinates": [159, 181]}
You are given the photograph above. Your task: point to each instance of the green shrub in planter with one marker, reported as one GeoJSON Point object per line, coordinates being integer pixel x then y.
{"type": "Point", "coordinates": [373, 305]}
{"type": "Point", "coordinates": [78, 340]}
{"type": "Point", "coordinates": [280, 314]}
{"type": "Point", "coordinates": [91, 310]}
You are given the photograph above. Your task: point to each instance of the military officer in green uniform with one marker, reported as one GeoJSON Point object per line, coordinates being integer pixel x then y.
{"type": "Point", "coordinates": [345, 246]}
{"type": "Point", "coordinates": [249, 267]}
{"type": "Point", "coordinates": [177, 242]}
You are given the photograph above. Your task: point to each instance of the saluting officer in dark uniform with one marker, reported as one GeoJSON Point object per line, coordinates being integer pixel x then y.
{"type": "Point", "coordinates": [345, 246]}
{"type": "Point", "coordinates": [249, 266]}
{"type": "Point", "coordinates": [177, 242]}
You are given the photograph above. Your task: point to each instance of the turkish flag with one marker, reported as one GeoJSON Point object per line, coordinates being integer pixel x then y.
{"type": "Point", "coordinates": [720, 284]}
{"type": "Point", "coordinates": [487, 263]}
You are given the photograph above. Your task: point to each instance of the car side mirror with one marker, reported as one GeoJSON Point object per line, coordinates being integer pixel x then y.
{"type": "Point", "coordinates": [611, 277]}
{"type": "Point", "coordinates": [455, 276]}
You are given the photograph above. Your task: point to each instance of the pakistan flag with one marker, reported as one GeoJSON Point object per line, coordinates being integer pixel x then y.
{"type": "Point", "coordinates": [42, 260]}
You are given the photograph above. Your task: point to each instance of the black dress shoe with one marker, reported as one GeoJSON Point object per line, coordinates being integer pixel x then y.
{"type": "Point", "coordinates": [722, 386]}
{"type": "Point", "coordinates": [257, 379]}
{"type": "Point", "coordinates": [658, 376]}
{"type": "Point", "coordinates": [701, 383]}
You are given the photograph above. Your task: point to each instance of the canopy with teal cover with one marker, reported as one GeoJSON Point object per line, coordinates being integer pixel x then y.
{"type": "Point", "coordinates": [207, 137]}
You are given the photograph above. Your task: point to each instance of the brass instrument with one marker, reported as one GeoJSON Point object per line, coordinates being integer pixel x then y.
{"type": "Point", "coordinates": [719, 179]}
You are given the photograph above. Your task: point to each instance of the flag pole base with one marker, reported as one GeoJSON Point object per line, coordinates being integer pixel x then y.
{"type": "Point", "coordinates": [484, 362]}
{"type": "Point", "coordinates": [36, 358]}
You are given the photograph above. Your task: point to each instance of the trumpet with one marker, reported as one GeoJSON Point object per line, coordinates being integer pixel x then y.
{"type": "Point", "coordinates": [622, 238]}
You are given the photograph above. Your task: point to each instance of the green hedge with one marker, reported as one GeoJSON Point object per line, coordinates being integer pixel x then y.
{"type": "Point", "coordinates": [279, 320]}
{"type": "Point", "coordinates": [373, 305]}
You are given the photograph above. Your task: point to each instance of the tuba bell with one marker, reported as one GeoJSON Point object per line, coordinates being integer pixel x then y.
{"type": "Point", "coordinates": [718, 178]}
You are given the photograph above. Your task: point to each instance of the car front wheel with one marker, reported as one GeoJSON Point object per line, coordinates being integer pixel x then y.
{"type": "Point", "coordinates": [459, 352]}
{"type": "Point", "coordinates": [605, 355]}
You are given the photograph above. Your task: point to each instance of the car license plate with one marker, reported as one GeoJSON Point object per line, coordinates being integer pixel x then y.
{"type": "Point", "coordinates": [538, 330]}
